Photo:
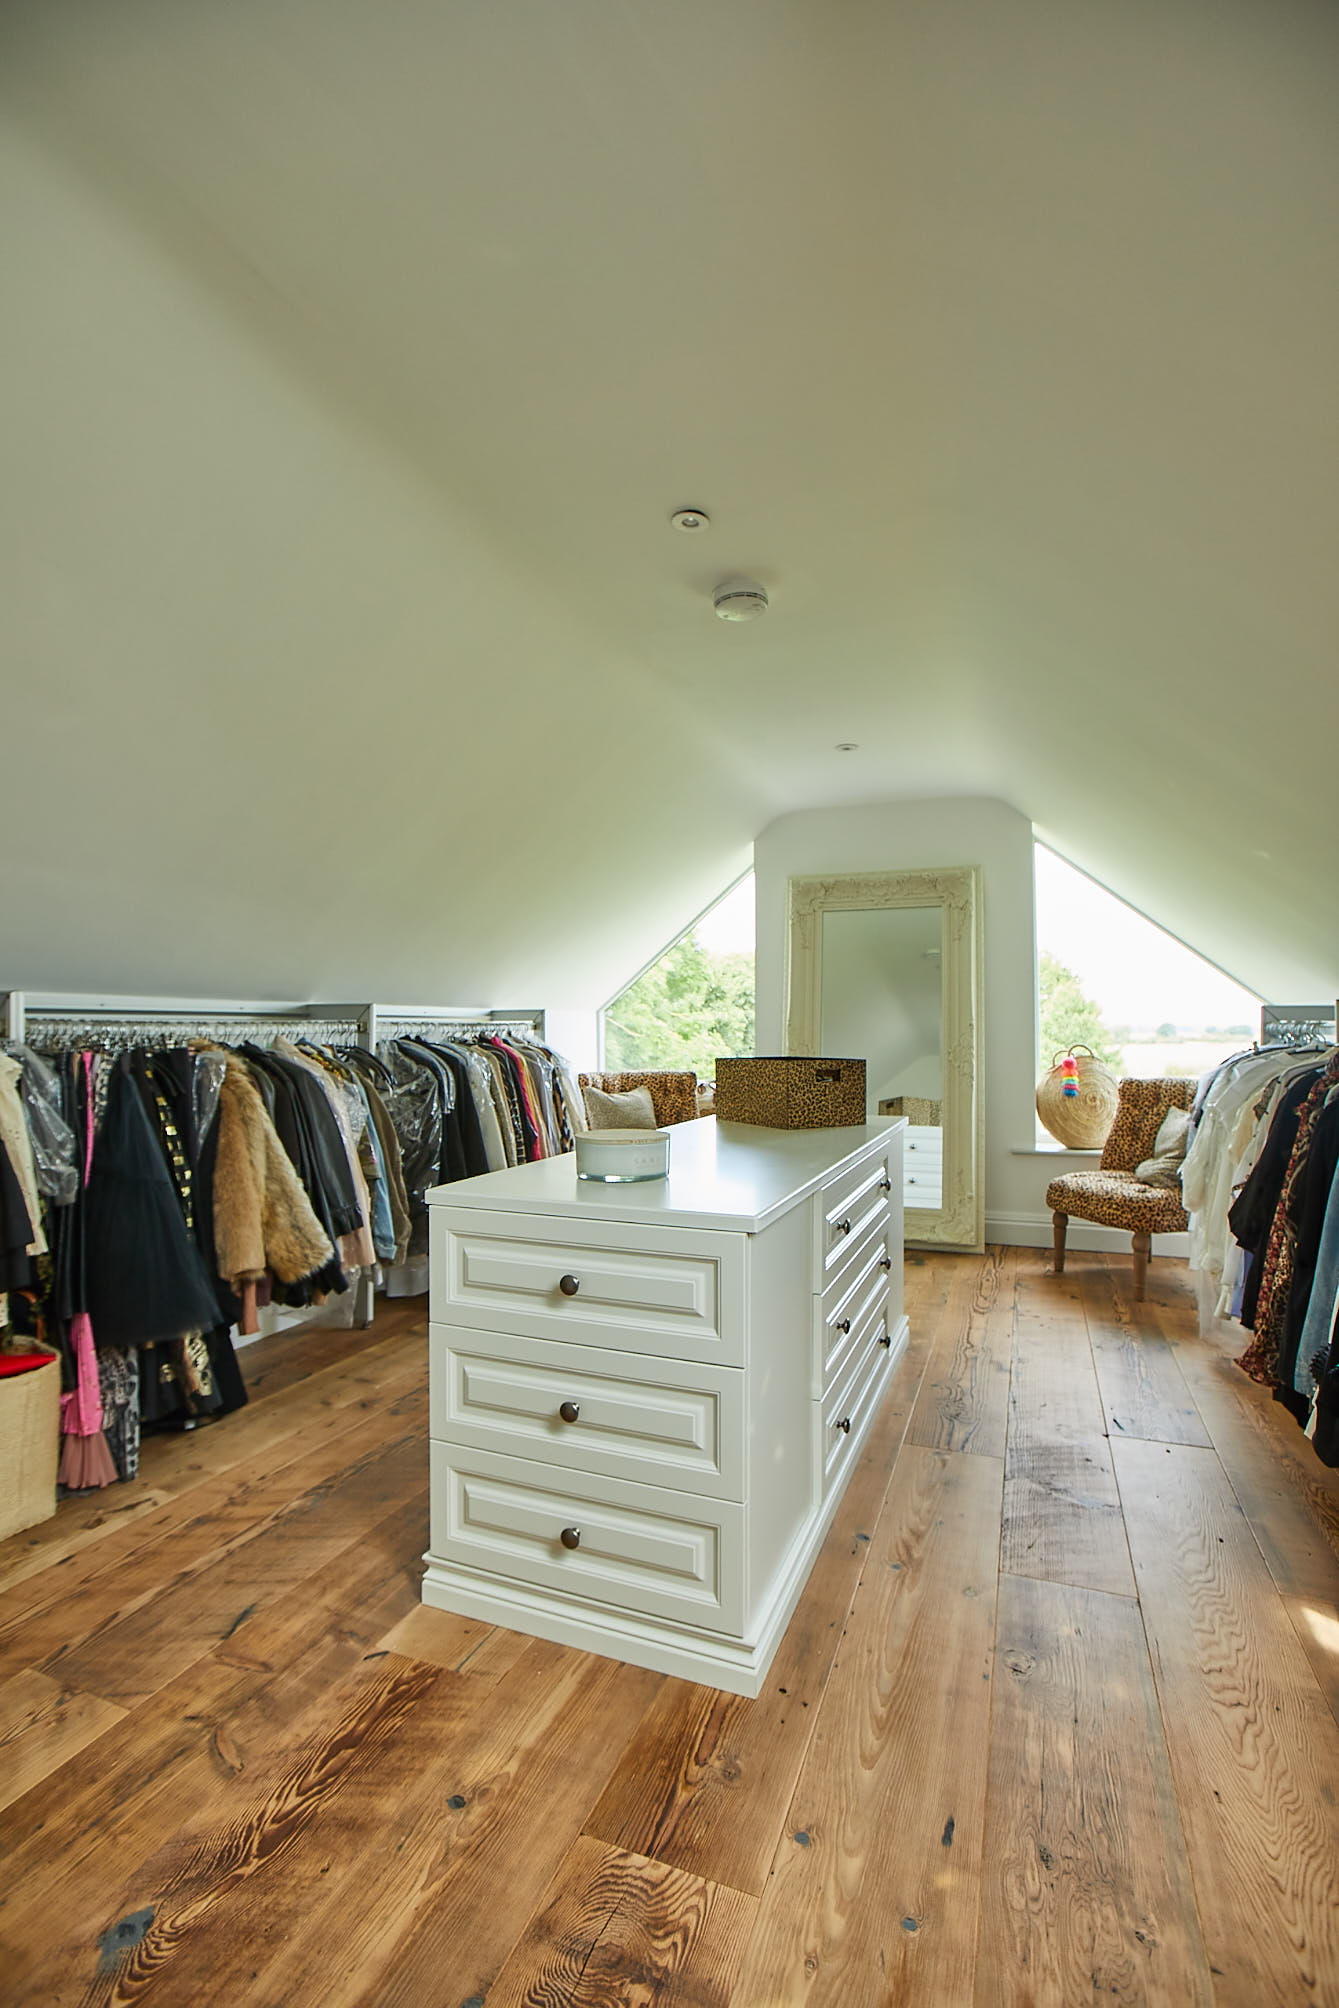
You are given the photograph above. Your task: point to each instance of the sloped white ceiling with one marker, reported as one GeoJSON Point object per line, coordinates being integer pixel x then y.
{"type": "Point", "coordinates": [354, 356]}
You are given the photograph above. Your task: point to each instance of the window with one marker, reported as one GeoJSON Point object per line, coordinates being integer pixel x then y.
{"type": "Point", "coordinates": [1109, 978]}
{"type": "Point", "coordinates": [695, 1001]}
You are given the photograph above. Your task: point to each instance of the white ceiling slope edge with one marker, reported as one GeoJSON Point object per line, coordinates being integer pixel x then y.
{"type": "Point", "coordinates": [354, 356]}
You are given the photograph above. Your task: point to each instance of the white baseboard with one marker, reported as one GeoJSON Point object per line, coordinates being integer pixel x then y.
{"type": "Point", "coordinates": [1036, 1230]}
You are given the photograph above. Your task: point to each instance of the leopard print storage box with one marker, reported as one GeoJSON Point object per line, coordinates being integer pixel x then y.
{"type": "Point", "coordinates": [791, 1091]}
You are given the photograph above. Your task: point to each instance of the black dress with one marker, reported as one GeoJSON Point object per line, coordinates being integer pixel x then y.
{"type": "Point", "coordinates": [145, 1279]}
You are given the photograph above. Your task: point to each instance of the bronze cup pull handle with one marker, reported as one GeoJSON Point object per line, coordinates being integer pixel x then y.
{"type": "Point", "coordinates": [569, 1410]}
{"type": "Point", "coordinates": [570, 1537]}
{"type": "Point", "coordinates": [569, 1285]}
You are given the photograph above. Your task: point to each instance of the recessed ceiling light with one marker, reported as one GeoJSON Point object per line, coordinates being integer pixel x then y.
{"type": "Point", "coordinates": [691, 519]}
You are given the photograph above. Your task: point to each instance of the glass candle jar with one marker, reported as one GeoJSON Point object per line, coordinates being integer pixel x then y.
{"type": "Point", "coordinates": [622, 1156]}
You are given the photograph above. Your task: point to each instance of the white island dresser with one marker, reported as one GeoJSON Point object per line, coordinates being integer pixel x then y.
{"type": "Point", "coordinates": [646, 1399]}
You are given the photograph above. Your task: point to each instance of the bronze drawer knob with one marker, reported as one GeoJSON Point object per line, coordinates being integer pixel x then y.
{"type": "Point", "coordinates": [570, 1537]}
{"type": "Point", "coordinates": [845, 1425]}
{"type": "Point", "coordinates": [886, 1263]}
{"type": "Point", "coordinates": [569, 1410]}
{"type": "Point", "coordinates": [842, 1325]}
{"type": "Point", "coordinates": [887, 1340]}
{"type": "Point", "coordinates": [569, 1285]}
{"type": "Point", "coordinates": [885, 1185]}
{"type": "Point", "coordinates": [843, 1227]}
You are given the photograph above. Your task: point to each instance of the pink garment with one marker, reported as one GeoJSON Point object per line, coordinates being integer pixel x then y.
{"type": "Point", "coordinates": [81, 1411]}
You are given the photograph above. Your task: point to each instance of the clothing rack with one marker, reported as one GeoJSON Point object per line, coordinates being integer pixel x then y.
{"type": "Point", "coordinates": [47, 1020]}
{"type": "Point", "coordinates": [1297, 1024]}
{"type": "Point", "coordinates": [399, 1021]}
{"type": "Point", "coordinates": [109, 1023]}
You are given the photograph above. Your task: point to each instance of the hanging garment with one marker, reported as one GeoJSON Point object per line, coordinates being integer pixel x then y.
{"type": "Point", "coordinates": [396, 1194]}
{"type": "Point", "coordinates": [86, 1461]}
{"type": "Point", "coordinates": [1296, 1382]}
{"type": "Point", "coordinates": [1261, 1359]}
{"type": "Point", "coordinates": [16, 1232]}
{"type": "Point", "coordinates": [309, 1130]}
{"type": "Point", "coordinates": [324, 1181]}
{"type": "Point", "coordinates": [18, 1147]}
{"type": "Point", "coordinates": [118, 1374]}
{"type": "Point", "coordinates": [263, 1219]}
{"type": "Point", "coordinates": [146, 1281]}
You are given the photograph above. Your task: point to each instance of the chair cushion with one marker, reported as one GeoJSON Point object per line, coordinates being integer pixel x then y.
{"type": "Point", "coordinates": [1117, 1199]}
{"type": "Point", "coordinates": [632, 1109]}
{"type": "Point", "coordinates": [1139, 1116]}
{"type": "Point", "coordinates": [673, 1096]}
{"type": "Point", "coordinates": [1173, 1137]}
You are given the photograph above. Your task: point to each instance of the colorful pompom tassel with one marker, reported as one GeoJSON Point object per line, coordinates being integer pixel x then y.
{"type": "Point", "coordinates": [1069, 1069]}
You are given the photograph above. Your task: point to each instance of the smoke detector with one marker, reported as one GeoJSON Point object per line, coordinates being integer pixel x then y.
{"type": "Point", "coordinates": [739, 600]}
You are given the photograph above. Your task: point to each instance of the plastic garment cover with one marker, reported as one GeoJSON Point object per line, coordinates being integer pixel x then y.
{"type": "Point", "coordinates": [206, 1087]}
{"type": "Point", "coordinates": [414, 1105]}
{"type": "Point", "coordinates": [55, 1153]}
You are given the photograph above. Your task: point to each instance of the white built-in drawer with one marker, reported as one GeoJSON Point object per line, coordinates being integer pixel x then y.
{"type": "Point", "coordinates": [868, 1242]}
{"type": "Point", "coordinates": [639, 1547]}
{"type": "Point", "coordinates": [849, 1213]}
{"type": "Point", "coordinates": [677, 1293]}
{"type": "Point", "coordinates": [844, 1333]}
{"type": "Point", "coordinates": [670, 1422]}
{"type": "Point", "coordinates": [847, 1411]}
{"type": "Point", "coordinates": [923, 1167]}
{"type": "Point", "coordinates": [924, 1144]}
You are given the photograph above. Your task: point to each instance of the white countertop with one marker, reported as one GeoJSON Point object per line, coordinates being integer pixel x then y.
{"type": "Point", "coordinates": [734, 1176]}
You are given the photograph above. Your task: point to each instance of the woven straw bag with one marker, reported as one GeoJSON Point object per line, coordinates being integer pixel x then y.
{"type": "Point", "coordinates": [1081, 1121]}
{"type": "Point", "coordinates": [29, 1444]}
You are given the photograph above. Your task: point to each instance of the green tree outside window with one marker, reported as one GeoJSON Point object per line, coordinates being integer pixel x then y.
{"type": "Point", "coordinates": [1069, 1017]}
{"type": "Point", "coordinates": [682, 1012]}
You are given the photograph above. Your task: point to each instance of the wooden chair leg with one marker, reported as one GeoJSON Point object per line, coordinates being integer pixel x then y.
{"type": "Point", "coordinates": [1142, 1244]}
{"type": "Point", "coordinates": [1060, 1222]}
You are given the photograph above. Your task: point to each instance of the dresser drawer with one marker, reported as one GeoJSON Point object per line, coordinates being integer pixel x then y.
{"type": "Point", "coordinates": [844, 1333]}
{"type": "Point", "coordinates": [636, 1546]}
{"type": "Point", "coordinates": [677, 1293]}
{"type": "Point", "coordinates": [850, 1214]}
{"type": "Point", "coordinates": [923, 1186]}
{"type": "Point", "coordinates": [676, 1423]}
{"type": "Point", "coordinates": [923, 1144]}
{"type": "Point", "coordinates": [869, 1241]}
{"type": "Point", "coordinates": [846, 1412]}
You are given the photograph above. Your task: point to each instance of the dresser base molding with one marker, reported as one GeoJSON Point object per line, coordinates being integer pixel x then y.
{"type": "Point", "coordinates": [713, 1658]}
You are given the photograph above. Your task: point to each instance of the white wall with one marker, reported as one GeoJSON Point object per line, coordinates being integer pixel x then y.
{"type": "Point", "coordinates": [917, 835]}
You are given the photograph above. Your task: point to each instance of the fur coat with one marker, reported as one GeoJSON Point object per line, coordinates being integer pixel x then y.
{"type": "Point", "coordinates": [263, 1218]}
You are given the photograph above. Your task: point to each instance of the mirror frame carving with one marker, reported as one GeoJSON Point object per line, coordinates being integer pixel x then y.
{"type": "Point", "coordinates": [960, 1220]}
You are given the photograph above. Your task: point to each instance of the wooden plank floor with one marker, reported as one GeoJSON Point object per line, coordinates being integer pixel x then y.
{"type": "Point", "coordinates": [1056, 1720]}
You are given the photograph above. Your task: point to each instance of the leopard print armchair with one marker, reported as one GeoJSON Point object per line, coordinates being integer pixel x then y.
{"type": "Point", "coordinates": [673, 1096]}
{"type": "Point", "coordinates": [1112, 1196]}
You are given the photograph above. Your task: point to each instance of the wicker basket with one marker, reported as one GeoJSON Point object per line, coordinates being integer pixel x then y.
{"type": "Point", "coordinates": [1082, 1121]}
{"type": "Point", "coordinates": [29, 1445]}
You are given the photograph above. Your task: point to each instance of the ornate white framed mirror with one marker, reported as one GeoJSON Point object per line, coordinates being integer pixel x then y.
{"type": "Point", "coordinates": [886, 967]}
